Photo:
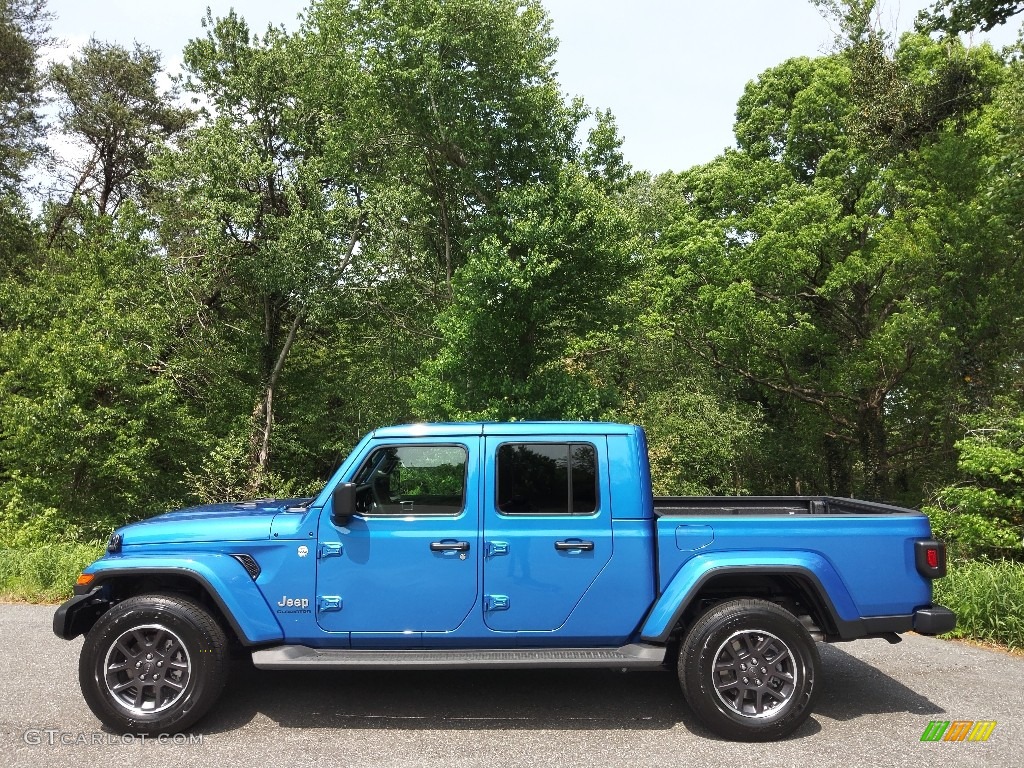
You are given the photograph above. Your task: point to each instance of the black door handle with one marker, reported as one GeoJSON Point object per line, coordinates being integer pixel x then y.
{"type": "Point", "coordinates": [563, 546]}
{"type": "Point", "coordinates": [449, 546]}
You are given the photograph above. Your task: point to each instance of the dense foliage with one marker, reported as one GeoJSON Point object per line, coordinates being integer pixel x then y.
{"type": "Point", "coordinates": [965, 15]}
{"type": "Point", "coordinates": [393, 213]}
{"type": "Point", "coordinates": [986, 596]}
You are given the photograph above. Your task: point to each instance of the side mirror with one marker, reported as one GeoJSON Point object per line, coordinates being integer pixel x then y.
{"type": "Point", "coordinates": [343, 503]}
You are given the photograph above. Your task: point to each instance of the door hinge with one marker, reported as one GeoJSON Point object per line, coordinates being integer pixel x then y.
{"type": "Point", "coordinates": [494, 548]}
{"type": "Point", "coordinates": [495, 602]}
{"type": "Point", "coordinates": [330, 549]}
{"type": "Point", "coordinates": [327, 603]}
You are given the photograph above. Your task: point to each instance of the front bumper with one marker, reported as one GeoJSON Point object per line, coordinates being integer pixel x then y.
{"type": "Point", "coordinates": [934, 620]}
{"type": "Point", "coordinates": [77, 615]}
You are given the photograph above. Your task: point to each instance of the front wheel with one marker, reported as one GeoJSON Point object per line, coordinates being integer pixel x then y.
{"type": "Point", "coordinates": [153, 664]}
{"type": "Point", "coordinates": [749, 670]}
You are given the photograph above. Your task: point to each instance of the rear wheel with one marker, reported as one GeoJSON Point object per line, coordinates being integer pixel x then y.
{"type": "Point", "coordinates": [749, 670]}
{"type": "Point", "coordinates": [153, 664]}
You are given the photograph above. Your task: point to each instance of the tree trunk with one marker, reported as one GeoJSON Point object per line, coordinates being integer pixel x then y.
{"type": "Point", "coordinates": [263, 415]}
{"type": "Point", "coordinates": [874, 447]}
{"type": "Point", "coordinates": [837, 467]}
{"type": "Point", "coordinates": [273, 364]}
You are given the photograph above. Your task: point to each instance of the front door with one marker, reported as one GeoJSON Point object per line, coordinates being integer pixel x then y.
{"type": "Point", "coordinates": [407, 561]}
{"type": "Point", "coordinates": [547, 529]}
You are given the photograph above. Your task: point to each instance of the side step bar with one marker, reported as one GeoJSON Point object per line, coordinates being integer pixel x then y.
{"type": "Point", "coordinates": [303, 657]}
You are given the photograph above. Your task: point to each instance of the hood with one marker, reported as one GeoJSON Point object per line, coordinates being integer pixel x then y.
{"type": "Point", "coordinates": [228, 521]}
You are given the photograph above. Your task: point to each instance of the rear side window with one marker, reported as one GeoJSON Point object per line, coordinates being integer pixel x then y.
{"type": "Point", "coordinates": [547, 478]}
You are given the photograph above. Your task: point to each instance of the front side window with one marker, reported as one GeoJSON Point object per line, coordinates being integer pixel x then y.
{"type": "Point", "coordinates": [412, 480]}
{"type": "Point", "coordinates": [547, 478]}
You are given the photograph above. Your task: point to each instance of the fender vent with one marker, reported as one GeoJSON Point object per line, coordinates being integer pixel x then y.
{"type": "Point", "coordinates": [250, 565]}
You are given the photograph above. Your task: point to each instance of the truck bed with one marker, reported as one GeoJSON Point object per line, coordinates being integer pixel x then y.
{"type": "Point", "coordinates": [861, 550]}
{"type": "Point", "coordinates": [702, 506]}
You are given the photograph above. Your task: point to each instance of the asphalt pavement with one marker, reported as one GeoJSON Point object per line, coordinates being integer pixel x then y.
{"type": "Point", "coordinates": [878, 701]}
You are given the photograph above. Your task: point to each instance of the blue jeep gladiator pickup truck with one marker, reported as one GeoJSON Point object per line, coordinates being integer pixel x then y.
{"type": "Point", "coordinates": [501, 545]}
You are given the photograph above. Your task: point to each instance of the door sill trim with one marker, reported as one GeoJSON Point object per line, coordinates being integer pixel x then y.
{"type": "Point", "coordinates": [631, 656]}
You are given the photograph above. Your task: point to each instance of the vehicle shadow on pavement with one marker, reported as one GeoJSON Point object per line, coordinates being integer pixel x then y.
{"type": "Point", "coordinates": [549, 699]}
{"type": "Point", "coordinates": [535, 699]}
{"type": "Point", "coordinates": [854, 688]}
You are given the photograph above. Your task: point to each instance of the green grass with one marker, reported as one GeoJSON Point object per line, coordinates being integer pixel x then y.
{"type": "Point", "coordinates": [988, 599]}
{"type": "Point", "coordinates": [45, 573]}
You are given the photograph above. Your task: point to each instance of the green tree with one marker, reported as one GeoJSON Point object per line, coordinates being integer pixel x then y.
{"type": "Point", "coordinates": [826, 272]}
{"type": "Point", "coordinates": [602, 157]}
{"type": "Point", "coordinates": [955, 16]}
{"type": "Point", "coordinates": [18, 246]}
{"type": "Point", "coordinates": [537, 283]}
{"type": "Point", "coordinates": [1004, 201]}
{"type": "Point", "coordinates": [984, 512]}
{"type": "Point", "coordinates": [23, 31]}
{"type": "Point", "coordinates": [110, 104]}
{"type": "Point", "coordinates": [95, 431]}
{"type": "Point", "coordinates": [463, 104]}
{"type": "Point", "coordinates": [255, 230]}
{"type": "Point", "coordinates": [343, 180]}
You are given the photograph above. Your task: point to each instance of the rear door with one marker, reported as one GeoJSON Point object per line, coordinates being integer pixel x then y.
{"type": "Point", "coordinates": [547, 528]}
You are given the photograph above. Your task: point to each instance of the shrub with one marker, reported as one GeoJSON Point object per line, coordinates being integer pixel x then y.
{"type": "Point", "coordinates": [988, 599]}
{"type": "Point", "coordinates": [45, 573]}
{"type": "Point", "coordinates": [985, 512]}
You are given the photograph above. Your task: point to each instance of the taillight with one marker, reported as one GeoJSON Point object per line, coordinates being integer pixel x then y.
{"type": "Point", "coordinates": [930, 558]}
